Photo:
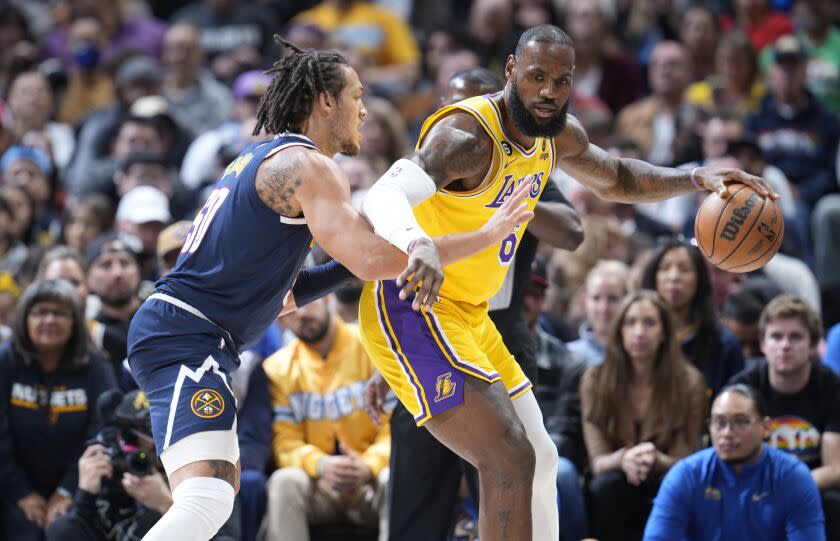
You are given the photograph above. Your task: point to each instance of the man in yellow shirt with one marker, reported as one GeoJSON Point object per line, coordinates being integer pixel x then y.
{"type": "Point", "coordinates": [332, 459]}
{"type": "Point", "coordinates": [384, 43]}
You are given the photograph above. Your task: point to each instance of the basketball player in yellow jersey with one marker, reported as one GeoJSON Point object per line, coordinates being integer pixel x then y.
{"type": "Point", "coordinates": [447, 363]}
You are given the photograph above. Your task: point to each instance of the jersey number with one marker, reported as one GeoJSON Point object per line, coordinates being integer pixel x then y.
{"type": "Point", "coordinates": [507, 249]}
{"type": "Point", "coordinates": [203, 219]}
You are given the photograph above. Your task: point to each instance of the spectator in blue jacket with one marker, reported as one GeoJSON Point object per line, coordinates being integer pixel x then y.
{"type": "Point", "coordinates": [49, 383]}
{"type": "Point", "coordinates": [832, 350]}
{"type": "Point", "coordinates": [741, 489]}
{"type": "Point", "coordinates": [794, 129]}
{"type": "Point", "coordinates": [679, 274]}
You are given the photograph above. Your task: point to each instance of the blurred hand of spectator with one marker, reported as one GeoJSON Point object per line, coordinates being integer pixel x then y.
{"type": "Point", "coordinates": [93, 466]}
{"type": "Point", "coordinates": [34, 507]}
{"type": "Point", "coordinates": [345, 473]}
{"type": "Point", "coordinates": [638, 461]}
{"type": "Point", "coordinates": [57, 505]}
{"type": "Point", "coordinates": [375, 392]}
{"type": "Point", "coordinates": [149, 490]}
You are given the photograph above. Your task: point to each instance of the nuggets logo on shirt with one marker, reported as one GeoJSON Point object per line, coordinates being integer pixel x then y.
{"type": "Point", "coordinates": [61, 400]}
{"type": "Point", "coordinates": [797, 436]}
{"type": "Point", "coordinates": [444, 387]}
{"type": "Point", "coordinates": [207, 404]}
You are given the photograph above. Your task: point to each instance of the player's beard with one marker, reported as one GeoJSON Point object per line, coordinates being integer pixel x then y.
{"type": "Point", "coordinates": [528, 123]}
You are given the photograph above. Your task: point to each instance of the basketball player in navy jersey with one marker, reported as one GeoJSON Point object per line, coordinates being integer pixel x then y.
{"type": "Point", "coordinates": [241, 264]}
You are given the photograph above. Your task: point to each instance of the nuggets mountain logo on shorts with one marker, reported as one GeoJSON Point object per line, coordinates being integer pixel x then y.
{"type": "Point", "coordinates": [444, 387]}
{"type": "Point", "coordinates": [207, 404]}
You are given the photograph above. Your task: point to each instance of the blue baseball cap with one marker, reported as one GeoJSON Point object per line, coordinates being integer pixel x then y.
{"type": "Point", "coordinates": [34, 155]}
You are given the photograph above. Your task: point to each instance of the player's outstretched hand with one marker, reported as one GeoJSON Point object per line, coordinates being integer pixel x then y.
{"type": "Point", "coordinates": [424, 274]}
{"type": "Point", "coordinates": [375, 392]}
{"type": "Point", "coordinates": [717, 179]}
{"type": "Point", "coordinates": [512, 213]}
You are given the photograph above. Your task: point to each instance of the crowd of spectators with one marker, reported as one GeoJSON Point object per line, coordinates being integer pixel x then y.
{"type": "Point", "coordinates": [117, 116]}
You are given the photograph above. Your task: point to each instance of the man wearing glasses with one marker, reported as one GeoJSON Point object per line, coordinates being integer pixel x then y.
{"type": "Point", "coordinates": [802, 396]}
{"type": "Point", "coordinates": [740, 489]}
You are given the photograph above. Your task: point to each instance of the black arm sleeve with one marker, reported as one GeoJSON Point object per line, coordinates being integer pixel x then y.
{"type": "Point", "coordinates": [315, 282]}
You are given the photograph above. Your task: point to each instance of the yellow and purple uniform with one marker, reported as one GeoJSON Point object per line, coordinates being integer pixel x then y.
{"type": "Point", "coordinates": [424, 356]}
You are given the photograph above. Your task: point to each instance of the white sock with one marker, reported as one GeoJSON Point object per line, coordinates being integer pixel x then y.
{"type": "Point", "coordinates": [546, 521]}
{"type": "Point", "coordinates": [202, 506]}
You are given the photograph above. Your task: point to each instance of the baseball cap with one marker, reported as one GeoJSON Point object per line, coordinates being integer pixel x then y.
{"type": "Point", "coordinates": [789, 47]}
{"type": "Point", "coordinates": [142, 157]}
{"type": "Point", "coordinates": [138, 69]}
{"type": "Point", "coordinates": [133, 410]}
{"type": "Point", "coordinates": [151, 107]}
{"type": "Point", "coordinates": [537, 283]}
{"type": "Point", "coordinates": [112, 242]}
{"type": "Point", "coordinates": [173, 237]}
{"type": "Point", "coordinates": [144, 204]}
{"type": "Point", "coordinates": [746, 142]}
{"type": "Point", "coordinates": [34, 155]}
{"type": "Point", "coordinates": [251, 84]}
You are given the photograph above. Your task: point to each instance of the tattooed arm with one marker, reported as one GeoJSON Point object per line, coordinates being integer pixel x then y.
{"type": "Point", "coordinates": [299, 182]}
{"type": "Point", "coordinates": [635, 181]}
{"type": "Point", "coordinates": [305, 182]}
{"type": "Point", "coordinates": [455, 148]}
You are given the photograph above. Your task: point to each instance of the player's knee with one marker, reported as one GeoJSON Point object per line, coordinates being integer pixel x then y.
{"type": "Point", "coordinates": [207, 500]}
{"type": "Point", "coordinates": [515, 456]}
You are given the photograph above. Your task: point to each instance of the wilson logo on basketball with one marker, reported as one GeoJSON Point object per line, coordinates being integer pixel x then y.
{"type": "Point", "coordinates": [739, 216]}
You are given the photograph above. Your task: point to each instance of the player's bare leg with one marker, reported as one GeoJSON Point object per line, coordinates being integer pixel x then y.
{"type": "Point", "coordinates": [486, 431]}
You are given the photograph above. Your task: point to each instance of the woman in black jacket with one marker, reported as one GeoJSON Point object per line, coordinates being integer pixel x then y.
{"type": "Point", "coordinates": [49, 384]}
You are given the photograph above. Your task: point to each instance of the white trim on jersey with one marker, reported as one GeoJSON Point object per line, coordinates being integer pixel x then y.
{"type": "Point", "coordinates": [191, 309]}
{"type": "Point", "coordinates": [292, 221]}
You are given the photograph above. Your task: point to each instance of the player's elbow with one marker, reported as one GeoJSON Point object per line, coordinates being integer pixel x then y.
{"type": "Point", "coordinates": [365, 268]}
{"type": "Point", "coordinates": [573, 235]}
{"type": "Point", "coordinates": [368, 273]}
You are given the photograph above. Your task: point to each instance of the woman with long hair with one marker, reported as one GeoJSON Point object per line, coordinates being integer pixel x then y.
{"type": "Point", "coordinates": [49, 385]}
{"type": "Point", "coordinates": [678, 272]}
{"type": "Point", "coordinates": [736, 82]}
{"type": "Point", "coordinates": [642, 410]}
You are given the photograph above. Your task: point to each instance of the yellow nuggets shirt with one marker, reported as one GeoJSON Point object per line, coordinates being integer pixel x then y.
{"type": "Point", "coordinates": [319, 402]}
{"type": "Point", "coordinates": [424, 356]}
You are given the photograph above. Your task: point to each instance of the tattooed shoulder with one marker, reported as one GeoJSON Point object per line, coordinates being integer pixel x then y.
{"type": "Point", "coordinates": [278, 179]}
{"type": "Point", "coordinates": [457, 147]}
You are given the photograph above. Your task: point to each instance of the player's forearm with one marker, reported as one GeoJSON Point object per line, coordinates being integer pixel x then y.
{"type": "Point", "coordinates": [557, 225]}
{"type": "Point", "coordinates": [459, 246]}
{"type": "Point", "coordinates": [387, 262]}
{"type": "Point", "coordinates": [636, 181]}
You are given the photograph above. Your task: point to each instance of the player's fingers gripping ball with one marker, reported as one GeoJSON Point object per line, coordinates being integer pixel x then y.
{"type": "Point", "coordinates": [740, 233]}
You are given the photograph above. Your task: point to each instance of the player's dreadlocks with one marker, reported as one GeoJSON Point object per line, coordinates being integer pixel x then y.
{"type": "Point", "coordinates": [299, 78]}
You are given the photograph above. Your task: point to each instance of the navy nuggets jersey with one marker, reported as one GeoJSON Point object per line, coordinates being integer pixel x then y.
{"type": "Point", "coordinates": [241, 258]}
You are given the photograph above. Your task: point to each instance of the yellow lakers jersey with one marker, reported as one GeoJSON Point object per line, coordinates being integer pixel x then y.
{"type": "Point", "coordinates": [475, 279]}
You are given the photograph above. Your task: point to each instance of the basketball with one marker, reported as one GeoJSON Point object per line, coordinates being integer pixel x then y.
{"type": "Point", "coordinates": [741, 233]}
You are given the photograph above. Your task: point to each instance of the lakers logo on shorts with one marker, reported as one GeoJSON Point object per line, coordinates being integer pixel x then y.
{"type": "Point", "coordinates": [207, 404]}
{"type": "Point", "coordinates": [444, 387]}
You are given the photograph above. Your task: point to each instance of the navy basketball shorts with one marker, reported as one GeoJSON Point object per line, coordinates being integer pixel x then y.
{"type": "Point", "coordinates": [183, 365]}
